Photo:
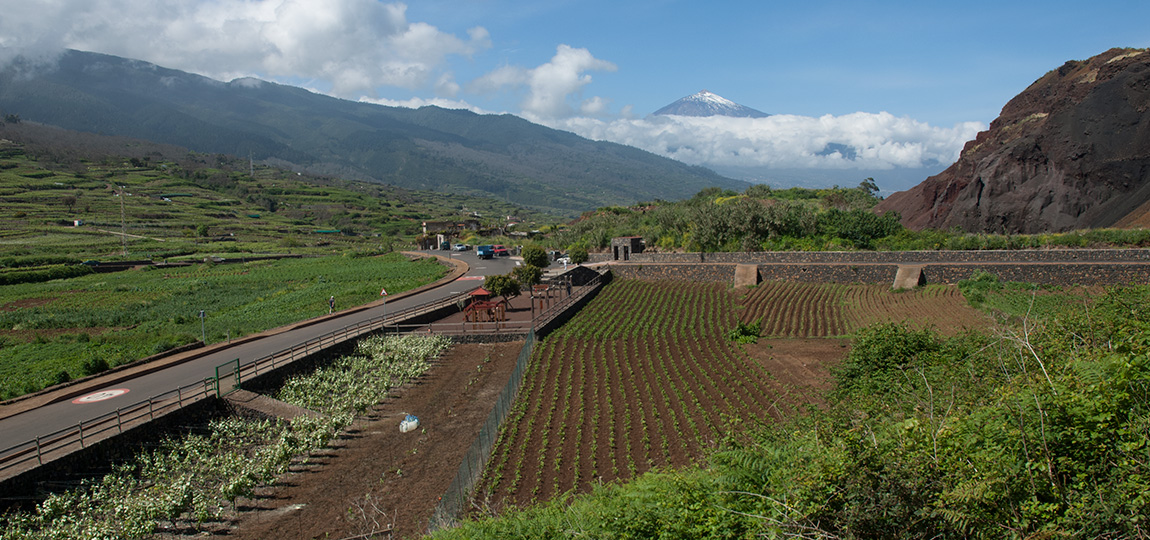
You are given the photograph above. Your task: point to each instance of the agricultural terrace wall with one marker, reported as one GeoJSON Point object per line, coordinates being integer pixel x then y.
{"type": "Point", "coordinates": [1044, 273]}
{"type": "Point", "coordinates": [892, 257]}
{"type": "Point", "coordinates": [488, 338]}
{"type": "Point", "coordinates": [699, 272]}
{"type": "Point", "coordinates": [1083, 273]}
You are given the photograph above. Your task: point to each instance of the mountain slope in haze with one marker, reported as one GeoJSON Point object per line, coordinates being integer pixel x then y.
{"type": "Point", "coordinates": [428, 148]}
{"type": "Point", "coordinates": [1070, 152]}
{"type": "Point", "coordinates": [708, 104]}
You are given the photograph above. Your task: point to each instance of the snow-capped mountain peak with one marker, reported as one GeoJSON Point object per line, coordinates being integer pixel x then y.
{"type": "Point", "coordinates": [706, 103]}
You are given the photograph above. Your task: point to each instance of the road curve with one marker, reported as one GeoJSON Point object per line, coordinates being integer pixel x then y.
{"type": "Point", "coordinates": [49, 413]}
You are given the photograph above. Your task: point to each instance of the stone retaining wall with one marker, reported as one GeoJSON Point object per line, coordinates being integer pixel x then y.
{"type": "Point", "coordinates": [904, 257]}
{"type": "Point", "coordinates": [488, 338]}
{"type": "Point", "coordinates": [829, 273]}
{"type": "Point", "coordinates": [711, 273]}
{"type": "Point", "coordinates": [1076, 273]}
{"type": "Point", "coordinates": [1045, 274]}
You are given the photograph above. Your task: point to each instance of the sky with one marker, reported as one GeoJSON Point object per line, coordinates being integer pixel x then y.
{"type": "Point", "coordinates": [904, 84]}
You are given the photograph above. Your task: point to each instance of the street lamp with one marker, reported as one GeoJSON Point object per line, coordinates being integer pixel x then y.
{"type": "Point", "coordinates": [203, 333]}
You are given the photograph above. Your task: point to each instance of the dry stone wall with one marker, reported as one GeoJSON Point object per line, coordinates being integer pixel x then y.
{"type": "Point", "coordinates": [899, 257]}
{"type": "Point", "coordinates": [1047, 267]}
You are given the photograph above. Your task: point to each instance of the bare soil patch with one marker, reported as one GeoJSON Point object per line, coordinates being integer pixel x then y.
{"type": "Point", "coordinates": [28, 336]}
{"type": "Point", "coordinates": [26, 303]}
{"type": "Point", "coordinates": [800, 366]}
{"type": "Point", "coordinates": [374, 477]}
{"type": "Point", "coordinates": [800, 310]}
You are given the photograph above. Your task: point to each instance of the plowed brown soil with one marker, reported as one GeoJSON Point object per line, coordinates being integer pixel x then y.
{"type": "Point", "coordinates": [375, 477]}
{"type": "Point", "coordinates": [577, 431]}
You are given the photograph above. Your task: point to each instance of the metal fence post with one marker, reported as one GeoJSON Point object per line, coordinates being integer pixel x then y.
{"type": "Point", "coordinates": [80, 425]}
{"type": "Point", "coordinates": [119, 425]}
{"type": "Point", "coordinates": [39, 459]}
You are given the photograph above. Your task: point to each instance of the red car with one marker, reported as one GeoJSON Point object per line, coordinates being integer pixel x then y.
{"type": "Point", "coordinates": [500, 251]}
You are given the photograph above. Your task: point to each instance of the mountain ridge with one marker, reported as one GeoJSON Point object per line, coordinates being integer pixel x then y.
{"type": "Point", "coordinates": [706, 103]}
{"type": "Point", "coordinates": [1070, 152]}
{"type": "Point", "coordinates": [428, 148]}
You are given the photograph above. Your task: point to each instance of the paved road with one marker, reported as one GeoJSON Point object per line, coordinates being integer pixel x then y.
{"type": "Point", "coordinates": [47, 419]}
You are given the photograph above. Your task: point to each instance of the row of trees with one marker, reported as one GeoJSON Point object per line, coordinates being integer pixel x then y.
{"type": "Point", "coordinates": [766, 219]}
{"type": "Point", "coordinates": [760, 218]}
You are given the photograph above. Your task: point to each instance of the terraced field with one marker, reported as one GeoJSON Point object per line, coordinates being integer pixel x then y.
{"type": "Point", "coordinates": [788, 309]}
{"type": "Point", "coordinates": [646, 377]}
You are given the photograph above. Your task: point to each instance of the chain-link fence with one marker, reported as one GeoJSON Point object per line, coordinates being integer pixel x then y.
{"type": "Point", "coordinates": [454, 501]}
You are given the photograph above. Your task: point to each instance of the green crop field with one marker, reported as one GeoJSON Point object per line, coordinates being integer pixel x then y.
{"type": "Point", "coordinates": [171, 204]}
{"type": "Point", "coordinates": [62, 329]}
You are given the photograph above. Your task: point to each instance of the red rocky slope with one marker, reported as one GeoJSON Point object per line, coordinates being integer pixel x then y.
{"type": "Point", "coordinates": [1070, 152]}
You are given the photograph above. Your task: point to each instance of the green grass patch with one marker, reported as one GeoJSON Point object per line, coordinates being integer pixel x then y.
{"type": "Point", "coordinates": [1012, 301]}
{"type": "Point", "coordinates": [62, 326]}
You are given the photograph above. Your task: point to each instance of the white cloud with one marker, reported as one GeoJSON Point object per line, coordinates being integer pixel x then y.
{"type": "Point", "coordinates": [353, 45]}
{"type": "Point", "coordinates": [350, 48]}
{"type": "Point", "coordinates": [415, 103]}
{"type": "Point", "coordinates": [551, 86]}
{"type": "Point", "coordinates": [595, 106]}
{"type": "Point", "coordinates": [499, 78]}
{"type": "Point", "coordinates": [863, 140]}
{"type": "Point", "coordinates": [446, 86]}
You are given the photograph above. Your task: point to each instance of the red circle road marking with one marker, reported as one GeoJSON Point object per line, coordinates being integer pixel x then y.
{"type": "Point", "coordinates": [100, 396]}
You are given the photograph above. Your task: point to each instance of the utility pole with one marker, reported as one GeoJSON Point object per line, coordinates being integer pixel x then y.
{"type": "Point", "coordinates": [123, 225]}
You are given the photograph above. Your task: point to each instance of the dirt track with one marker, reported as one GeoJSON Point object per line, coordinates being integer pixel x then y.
{"type": "Point", "coordinates": [404, 474]}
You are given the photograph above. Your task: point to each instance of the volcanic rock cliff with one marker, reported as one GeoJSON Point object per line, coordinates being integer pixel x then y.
{"type": "Point", "coordinates": [1070, 152]}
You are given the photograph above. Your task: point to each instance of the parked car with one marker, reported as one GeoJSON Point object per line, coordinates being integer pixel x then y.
{"type": "Point", "coordinates": [444, 246]}
{"type": "Point", "coordinates": [563, 260]}
{"type": "Point", "coordinates": [459, 247]}
{"type": "Point", "coordinates": [500, 251]}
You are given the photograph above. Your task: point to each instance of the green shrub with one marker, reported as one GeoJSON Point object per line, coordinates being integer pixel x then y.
{"type": "Point", "coordinates": [745, 333]}
{"type": "Point", "coordinates": [94, 365]}
{"type": "Point", "coordinates": [162, 346]}
{"type": "Point", "coordinates": [527, 275]}
{"type": "Point", "coordinates": [975, 288]}
{"type": "Point", "coordinates": [61, 377]}
{"type": "Point", "coordinates": [879, 353]}
{"type": "Point", "coordinates": [40, 275]}
{"type": "Point", "coordinates": [578, 254]}
{"type": "Point", "coordinates": [535, 256]}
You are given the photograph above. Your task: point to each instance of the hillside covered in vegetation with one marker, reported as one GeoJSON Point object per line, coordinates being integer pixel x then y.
{"type": "Point", "coordinates": [799, 219]}
{"type": "Point", "coordinates": [139, 200]}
